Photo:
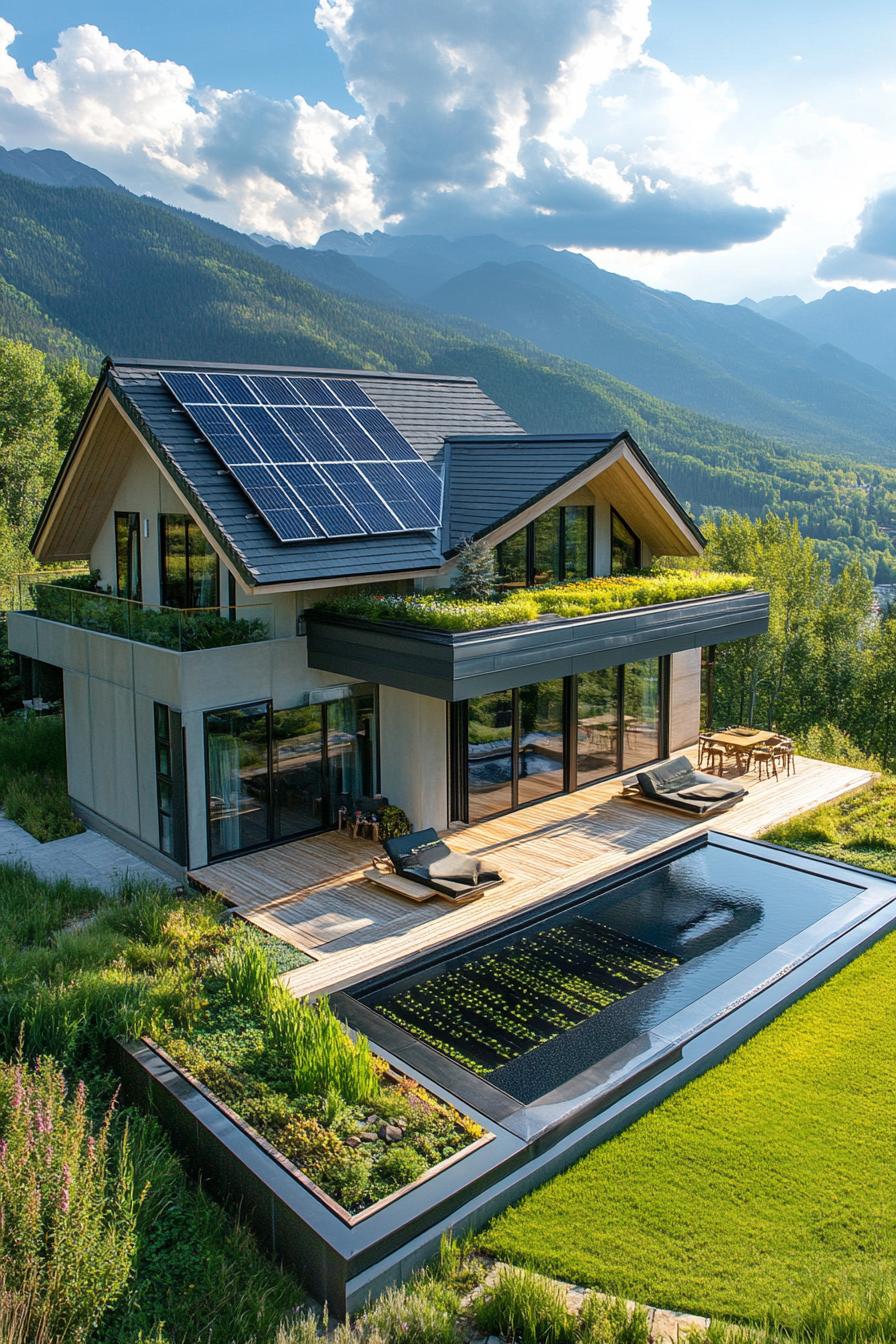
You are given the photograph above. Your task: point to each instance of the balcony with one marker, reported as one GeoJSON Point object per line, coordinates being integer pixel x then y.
{"type": "Point", "coordinates": [458, 665]}
{"type": "Point", "coordinates": [183, 630]}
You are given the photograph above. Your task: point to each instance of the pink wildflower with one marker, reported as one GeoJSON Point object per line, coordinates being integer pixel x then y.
{"type": "Point", "coordinates": [65, 1193]}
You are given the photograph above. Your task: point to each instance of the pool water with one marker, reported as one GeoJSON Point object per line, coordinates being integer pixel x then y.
{"type": "Point", "coordinates": [534, 1007]}
{"type": "Point", "coordinates": [493, 1008]}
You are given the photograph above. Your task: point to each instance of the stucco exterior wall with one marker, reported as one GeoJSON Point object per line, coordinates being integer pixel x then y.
{"type": "Point", "coordinates": [414, 755]}
{"type": "Point", "coordinates": [110, 685]}
{"type": "Point", "coordinates": [684, 699]}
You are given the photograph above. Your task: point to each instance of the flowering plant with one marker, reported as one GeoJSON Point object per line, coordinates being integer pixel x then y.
{"type": "Point", "coordinates": [67, 1205]}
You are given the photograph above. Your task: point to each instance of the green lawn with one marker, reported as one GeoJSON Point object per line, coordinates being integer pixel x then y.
{"type": "Point", "coordinates": [769, 1176]}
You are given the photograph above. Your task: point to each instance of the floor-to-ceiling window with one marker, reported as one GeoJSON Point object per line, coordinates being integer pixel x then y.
{"type": "Point", "coordinates": [188, 563]}
{"type": "Point", "coordinates": [170, 784]}
{"type": "Point", "coordinates": [641, 713]}
{"type": "Point", "coordinates": [490, 750]}
{"type": "Point", "coordinates": [597, 725]}
{"type": "Point", "coordinates": [297, 770]}
{"type": "Point", "coordinates": [274, 774]}
{"type": "Point", "coordinates": [351, 749]}
{"type": "Point", "coordinates": [518, 746]}
{"type": "Point", "coordinates": [542, 735]}
{"type": "Point", "coordinates": [239, 778]}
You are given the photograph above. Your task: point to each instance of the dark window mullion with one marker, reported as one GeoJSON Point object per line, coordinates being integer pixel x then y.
{"type": "Point", "coordinates": [515, 749]}
{"type": "Point", "coordinates": [571, 719]}
{"type": "Point", "coordinates": [272, 792]}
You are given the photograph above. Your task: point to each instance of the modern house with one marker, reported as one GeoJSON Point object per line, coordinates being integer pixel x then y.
{"type": "Point", "coordinates": [210, 709]}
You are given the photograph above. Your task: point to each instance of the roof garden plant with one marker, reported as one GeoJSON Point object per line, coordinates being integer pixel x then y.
{"type": "Point", "coordinates": [78, 600]}
{"type": "Point", "coordinates": [446, 610]}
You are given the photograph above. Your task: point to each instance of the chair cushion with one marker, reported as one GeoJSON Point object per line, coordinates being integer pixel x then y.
{"type": "Point", "coordinates": [711, 793]}
{"type": "Point", "coordinates": [456, 867]}
{"type": "Point", "coordinates": [671, 777]}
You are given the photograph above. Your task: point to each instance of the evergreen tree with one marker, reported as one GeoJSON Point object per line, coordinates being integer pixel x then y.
{"type": "Point", "coordinates": [475, 578]}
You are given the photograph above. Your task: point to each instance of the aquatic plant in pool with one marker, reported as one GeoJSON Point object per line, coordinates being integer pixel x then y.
{"type": "Point", "coordinates": [496, 1007]}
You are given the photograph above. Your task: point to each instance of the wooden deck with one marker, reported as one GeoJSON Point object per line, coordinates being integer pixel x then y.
{"type": "Point", "coordinates": [311, 892]}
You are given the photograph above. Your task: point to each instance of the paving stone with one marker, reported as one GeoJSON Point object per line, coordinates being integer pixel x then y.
{"type": "Point", "coordinates": [88, 857]}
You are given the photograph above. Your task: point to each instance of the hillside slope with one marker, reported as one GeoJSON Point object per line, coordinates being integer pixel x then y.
{"type": "Point", "coordinates": [129, 277]}
{"type": "Point", "coordinates": [719, 359]}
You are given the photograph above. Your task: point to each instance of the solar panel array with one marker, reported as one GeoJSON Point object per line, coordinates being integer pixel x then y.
{"type": "Point", "coordinates": [314, 455]}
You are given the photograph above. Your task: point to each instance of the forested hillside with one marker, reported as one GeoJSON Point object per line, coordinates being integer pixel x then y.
{"type": "Point", "coordinates": [88, 270]}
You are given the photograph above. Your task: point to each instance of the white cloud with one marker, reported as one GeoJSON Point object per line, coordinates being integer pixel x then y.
{"type": "Point", "coordinates": [551, 127]}
{"type": "Point", "coordinates": [502, 116]}
{"type": "Point", "coordinates": [286, 168]}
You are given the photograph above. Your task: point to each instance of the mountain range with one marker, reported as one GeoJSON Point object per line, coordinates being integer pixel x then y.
{"type": "Point", "coordinates": [861, 322]}
{"type": "Point", "coordinates": [85, 269]}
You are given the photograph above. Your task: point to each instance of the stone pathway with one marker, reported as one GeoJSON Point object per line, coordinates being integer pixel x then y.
{"type": "Point", "coordinates": [89, 857]}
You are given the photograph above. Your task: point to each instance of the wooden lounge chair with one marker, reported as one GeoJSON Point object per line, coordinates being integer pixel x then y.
{"type": "Point", "coordinates": [677, 785]}
{"type": "Point", "coordinates": [424, 859]}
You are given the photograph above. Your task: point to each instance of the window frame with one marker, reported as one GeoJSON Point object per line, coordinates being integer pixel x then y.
{"type": "Point", "coordinates": [131, 519]}
{"type": "Point", "coordinates": [188, 521]}
{"type": "Point", "coordinates": [529, 530]}
{"type": "Point", "coordinates": [326, 809]}
{"type": "Point", "coordinates": [458, 725]}
{"type": "Point", "coordinates": [173, 778]}
{"type": "Point", "coordinates": [616, 515]}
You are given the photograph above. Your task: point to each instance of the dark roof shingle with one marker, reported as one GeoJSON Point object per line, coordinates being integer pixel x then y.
{"type": "Point", "coordinates": [424, 408]}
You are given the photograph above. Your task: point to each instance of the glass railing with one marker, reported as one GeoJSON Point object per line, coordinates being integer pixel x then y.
{"type": "Point", "coordinates": [183, 629]}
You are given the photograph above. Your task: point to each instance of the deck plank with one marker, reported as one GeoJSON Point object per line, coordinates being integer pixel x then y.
{"type": "Point", "coordinates": [312, 892]}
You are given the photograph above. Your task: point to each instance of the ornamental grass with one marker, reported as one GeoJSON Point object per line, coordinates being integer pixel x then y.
{"type": "Point", "coordinates": [322, 1056]}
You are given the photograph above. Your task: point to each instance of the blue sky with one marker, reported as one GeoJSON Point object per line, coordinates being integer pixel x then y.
{"type": "Point", "coordinates": [721, 149]}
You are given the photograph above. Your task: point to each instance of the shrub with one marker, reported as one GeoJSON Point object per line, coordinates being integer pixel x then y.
{"type": "Point", "coordinates": [69, 1204]}
{"type": "Point", "coordinates": [527, 1308]}
{"type": "Point", "coordinates": [826, 742]}
{"type": "Point", "coordinates": [394, 822]}
{"type": "Point", "coordinates": [399, 1166]}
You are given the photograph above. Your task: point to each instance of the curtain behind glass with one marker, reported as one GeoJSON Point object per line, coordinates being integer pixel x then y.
{"type": "Point", "coordinates": [239, 777]}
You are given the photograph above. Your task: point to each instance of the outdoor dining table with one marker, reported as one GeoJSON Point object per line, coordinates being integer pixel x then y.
{"type": "Point", "coordinates": [740, 742]}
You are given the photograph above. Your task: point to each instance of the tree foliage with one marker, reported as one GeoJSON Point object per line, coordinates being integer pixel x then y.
{"type": "Point", "coordinates": [827, 660]}
{"type": "Point", "coordinates": [40, 405]}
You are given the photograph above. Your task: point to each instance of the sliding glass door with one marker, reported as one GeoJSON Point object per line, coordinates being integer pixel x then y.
{"type": "Point", "coordinates": [541, 741]}
{"type": "Point", "coordinates": [490, 751]}
{"type": "Point", "coordinates": [641, 717]}
{"type": "Point", "coordinates": [297, 770]}
{"type": "Point", "coordinates": [239, 778]}
{"type": "Point", "coordinates": [275, 774]}
{"type": "Point", "coordinates": [518, 746]}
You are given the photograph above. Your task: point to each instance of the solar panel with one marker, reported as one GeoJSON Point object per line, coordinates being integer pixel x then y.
{"type": "Point", "coordinates": [314, 455]}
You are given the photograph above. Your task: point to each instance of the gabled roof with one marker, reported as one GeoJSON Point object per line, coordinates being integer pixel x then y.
{"type": "Point", "coordinates": [423, 407]}
{"type": "Point", "coordinates": [495, 476]}
{"type": "Point", "coordinates": [494, 479]}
